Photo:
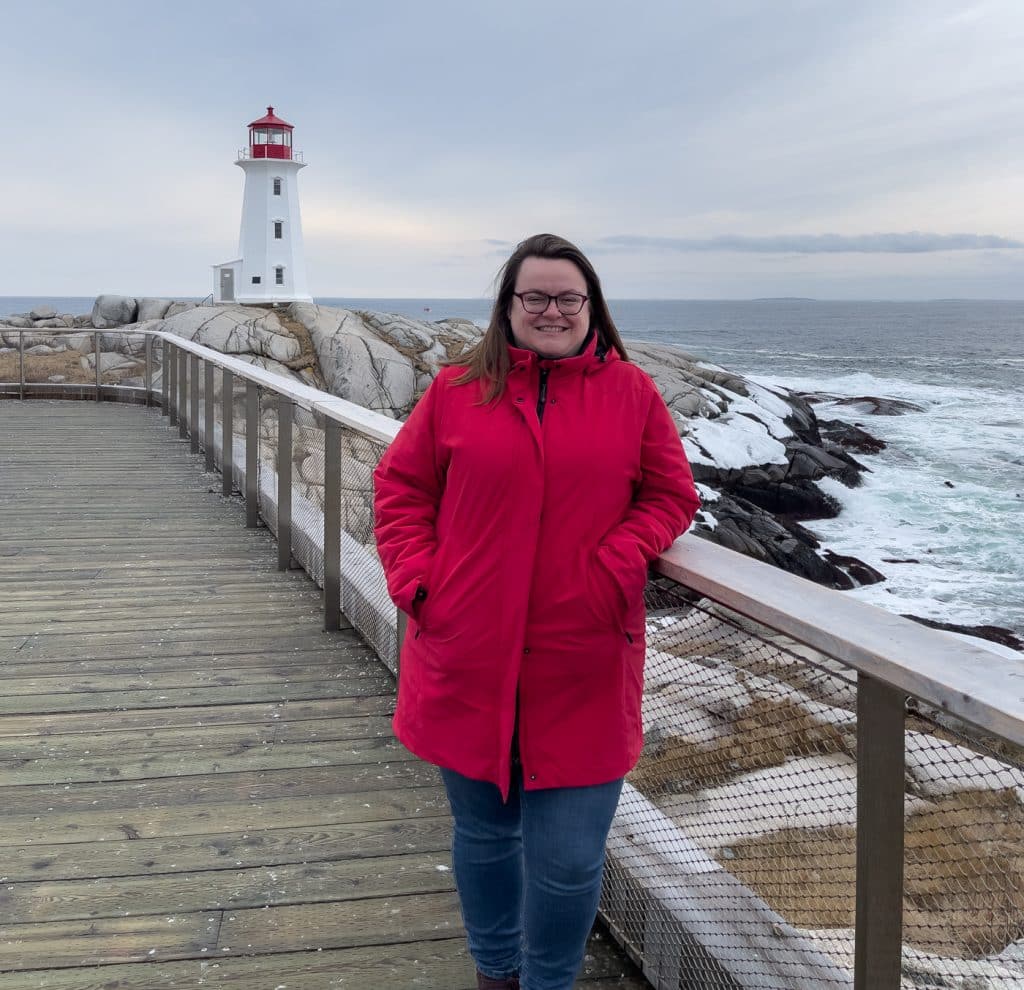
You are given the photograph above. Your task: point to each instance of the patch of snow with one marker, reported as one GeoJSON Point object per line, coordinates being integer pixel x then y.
{"type": "Point", "coordinates": [732, 441]}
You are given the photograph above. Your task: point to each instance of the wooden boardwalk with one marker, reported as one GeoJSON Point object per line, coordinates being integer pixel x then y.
{"type": "Point", "coordinates": [198, 787]}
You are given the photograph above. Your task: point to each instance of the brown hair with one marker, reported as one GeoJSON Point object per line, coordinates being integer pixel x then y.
{"type": "Point", "coordinates": [488, 361]}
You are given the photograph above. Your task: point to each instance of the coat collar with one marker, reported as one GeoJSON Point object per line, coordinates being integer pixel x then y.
{"type": "Point", "coordinates": [590, 359]}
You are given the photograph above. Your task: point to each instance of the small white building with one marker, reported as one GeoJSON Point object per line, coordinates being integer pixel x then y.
{"type": "Point", "coordinates": [272, 266]}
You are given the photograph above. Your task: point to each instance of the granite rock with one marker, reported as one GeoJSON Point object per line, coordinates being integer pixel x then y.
{"type": "Point", "coordinates": [113, 311]}
{"type": "Point", "coordinates": [153, 309]}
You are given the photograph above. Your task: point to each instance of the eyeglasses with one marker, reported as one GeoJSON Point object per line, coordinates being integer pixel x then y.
{"type": "Point", "coordinates": [568, 303]}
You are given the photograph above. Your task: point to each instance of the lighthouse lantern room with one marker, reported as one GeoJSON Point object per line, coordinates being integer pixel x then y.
{"type": "Point", "coordinates": [271, 266]}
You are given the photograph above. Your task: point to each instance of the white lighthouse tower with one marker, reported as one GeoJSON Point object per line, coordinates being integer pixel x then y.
{"type": "Point", "coordinates": [272, 266]}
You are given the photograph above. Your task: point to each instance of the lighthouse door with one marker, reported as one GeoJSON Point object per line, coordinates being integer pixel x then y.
{"type": "Point", "coordinates": [227, 285]}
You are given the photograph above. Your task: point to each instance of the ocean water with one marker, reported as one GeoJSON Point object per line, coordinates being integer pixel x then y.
{"type": "Point", "coordinates": [946, 498]}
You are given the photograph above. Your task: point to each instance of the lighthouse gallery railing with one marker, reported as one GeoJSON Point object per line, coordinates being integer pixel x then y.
{"type": "Point", "coordinates": [830, 795]}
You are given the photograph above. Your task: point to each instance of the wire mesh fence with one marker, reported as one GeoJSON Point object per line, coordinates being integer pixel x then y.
{"type": "Point", "coordinates": [364, 594]}
{"type": "Point", "coordinates": [732, 861]}
{"type": "Point", "coordinates": [122, 358]}
{"type": "Point", "coordinates": [157, 358]}
{"type": "Point", "coordinates": [238, 432]}
{"type": "Point", "coordinates": [307, 455]}
{"type": "Point", "coordinates": [269, 411]}
{"type": "Point", "coordinates": [48, 357]}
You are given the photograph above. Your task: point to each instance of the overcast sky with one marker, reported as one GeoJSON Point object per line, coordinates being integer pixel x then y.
{"type": "Point", "coordinates": [735, 149]}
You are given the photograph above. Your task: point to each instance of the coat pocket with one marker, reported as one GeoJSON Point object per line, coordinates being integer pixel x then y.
{"type": "Point", "coordinates": [605, 596]}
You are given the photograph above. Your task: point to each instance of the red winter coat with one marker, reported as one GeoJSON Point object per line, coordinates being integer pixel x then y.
{"type": "Point", "coordinates": [531, 539]}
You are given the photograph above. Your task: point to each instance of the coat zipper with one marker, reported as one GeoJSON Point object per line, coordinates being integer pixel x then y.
{"type": "Point", "coordinates": [542, 395]}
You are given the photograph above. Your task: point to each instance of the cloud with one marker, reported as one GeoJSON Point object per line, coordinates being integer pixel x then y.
{"type": "Point", "coordinates": [913, 242]}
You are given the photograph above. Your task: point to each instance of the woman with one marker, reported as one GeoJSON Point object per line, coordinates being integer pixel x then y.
{"type": "Point", "coordinates": [517, 511]}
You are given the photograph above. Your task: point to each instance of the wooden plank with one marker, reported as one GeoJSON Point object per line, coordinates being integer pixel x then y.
{"type": "Point", "coordinates": [144, 719]}
{"type": "Point", "coordinates": [428, 965]}
{"type": "Point", "coordinates": [37, 599]}
{"type": "Point", "coordinates": [114, 701]}
{"type": "Point", "coordinates": [374, 921]}
{"type": "Point", "coordinates": [329, 661]}
{"type": "Point", "coordinates": [344, 642]}
{"type": "Point", "coordinates": [212, 889]}
{"type": "Point", "coordinates": [381, 803]}
{"type": "Point", "coordinates": [271, 634]}
{"type": "Point", "coordinates": [190, 676]}
{"type": "Point", "coordinates": [51, 616]}
{"type": "Point", "coordinates": [224, 850]}
{"type": "Point", "coordinates": [369, 682]}
{"type": "Point", "coordinates": [184, 762]}
{"type": "Point", "coordinates": [132, 744]}
{"type": "Point", "coordinates": [98, 941]}
{"type": "Point", "coordinates": [219, 788]}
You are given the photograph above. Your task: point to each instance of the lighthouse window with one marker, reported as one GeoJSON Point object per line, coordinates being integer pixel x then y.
{"type": "Point", "coordinates": [277, 187]}
{"type": "Point", "coordinates": [256, 279]}
{"type": "Point", "coordinates": [279, 276]}
{"type": "Point", "coordinates": [278, 230]}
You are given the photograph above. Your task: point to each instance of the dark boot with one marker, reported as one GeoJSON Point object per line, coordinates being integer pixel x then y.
{"type": "Point", "coordinates": [490, 983]}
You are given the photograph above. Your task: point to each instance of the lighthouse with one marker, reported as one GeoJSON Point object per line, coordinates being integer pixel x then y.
{"type": "Point", "coordinates": [271, 266]}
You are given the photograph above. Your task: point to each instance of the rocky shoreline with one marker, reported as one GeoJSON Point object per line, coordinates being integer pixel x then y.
{"type": "Point", "coordinates": [757, 452]}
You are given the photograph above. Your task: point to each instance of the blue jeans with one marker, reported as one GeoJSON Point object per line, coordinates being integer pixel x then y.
{"type": "Point", "coordinates": [529, 874]}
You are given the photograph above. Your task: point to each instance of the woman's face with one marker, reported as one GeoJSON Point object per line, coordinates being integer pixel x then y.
{"type": "Point", "coordinates": [551, 333]}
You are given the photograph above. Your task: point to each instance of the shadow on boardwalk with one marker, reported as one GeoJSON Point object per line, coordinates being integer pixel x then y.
{"type": "Point", "coordinates": [198, 787]}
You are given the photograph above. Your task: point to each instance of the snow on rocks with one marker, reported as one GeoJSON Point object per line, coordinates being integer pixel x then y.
{"type": "Point", "coordinates": [924, 970]}
{"type": "Point", "coordinates": [936, 767]}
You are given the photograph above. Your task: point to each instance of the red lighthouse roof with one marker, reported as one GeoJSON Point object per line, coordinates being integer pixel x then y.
{"type": "Point", "coordinates": [270, 137]}
{"type": "Point", "coordinates": [271, 121]}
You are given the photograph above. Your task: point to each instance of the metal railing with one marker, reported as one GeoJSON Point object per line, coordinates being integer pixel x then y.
{"type": "Point", "coordinates": [829, 796]}
{"type": "Point", "coordinates": [129, 375]}
{"type": "Point", "coordinates": [245, 154]}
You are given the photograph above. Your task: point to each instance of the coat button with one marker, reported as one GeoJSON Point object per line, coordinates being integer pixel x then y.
{"type": "Point", "coordinates": [533, 776]}
{"type": "Point", "coordinates": [526, 649]}
{"type": "Point", "coordinates": [519, 398]}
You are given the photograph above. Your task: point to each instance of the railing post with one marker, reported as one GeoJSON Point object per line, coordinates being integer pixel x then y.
{"type": "Point", "coordinates": [227, 435]}
{"type": "Point", "coordinates": [403, 625]}
{"type": "Point", "coordinates": [164, 381]}
{"type": "Point", "coordinates": [208, 415]}
{"type": "Point", "coordinates": [332, 525]}
{"type": "Point", "coordinates": [878, 945]}
{"type": "Point", "coordinates": [182, 393]}
{"type": "Point", "coordinates": [21, 364]}
{"type": "Point", "coordinates": [284, 482]}
{"type": "Point", "coordinates": [99, 369]}
{"type": "Point", "coordinates": [149, 370]}
{"type": "Point", "coordinates": [252, 454]}
{"type": "Point", "coordinates": [194, 414]}
{"type": "Point", "coordinates": [171, 376]}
